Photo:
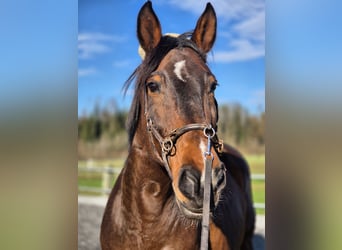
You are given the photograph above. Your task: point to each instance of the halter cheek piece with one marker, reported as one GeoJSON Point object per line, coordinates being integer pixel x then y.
{"type": "Point", "coordinates": [168, 142]}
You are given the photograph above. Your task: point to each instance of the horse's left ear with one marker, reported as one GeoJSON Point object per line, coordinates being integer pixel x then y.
{"type": "Point", "coordinates": [205, 31]}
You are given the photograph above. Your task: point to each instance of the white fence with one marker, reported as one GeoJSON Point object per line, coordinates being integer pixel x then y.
{"type": "Point", "coordinates": [107, 175]}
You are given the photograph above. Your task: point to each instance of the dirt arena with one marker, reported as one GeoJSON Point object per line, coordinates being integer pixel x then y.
{"type": "Point", "coordinates": [90, 210]}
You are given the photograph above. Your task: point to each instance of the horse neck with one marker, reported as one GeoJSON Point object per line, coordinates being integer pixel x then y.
{"type": "Point", "coordinates": [145, 184]}
{"type": "Point", "coordinates": [147, 196]}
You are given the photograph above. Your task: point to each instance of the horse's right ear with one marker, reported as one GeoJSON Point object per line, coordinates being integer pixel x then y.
{"type": "Point", "coordinates": [149, 31]}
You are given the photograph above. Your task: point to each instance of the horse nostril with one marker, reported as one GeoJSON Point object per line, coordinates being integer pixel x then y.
{"type": "Point", "coordinates": [189, 183]}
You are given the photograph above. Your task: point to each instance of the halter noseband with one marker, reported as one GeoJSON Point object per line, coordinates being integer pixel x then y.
{"type": "Point", "coordinates": [168, 143]}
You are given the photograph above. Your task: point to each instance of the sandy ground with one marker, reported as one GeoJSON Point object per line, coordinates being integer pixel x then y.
{"type": "Point", "coordinates": [90, 210]}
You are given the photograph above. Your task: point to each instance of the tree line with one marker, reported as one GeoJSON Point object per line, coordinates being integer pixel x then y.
{"type": "Point", "coordinates": [236, 127]}
{"type": "Point", "coordinates": [101, 123]}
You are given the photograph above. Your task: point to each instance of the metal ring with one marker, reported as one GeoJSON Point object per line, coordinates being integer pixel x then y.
{"type": "Point", "coordinates": [167, 145]}
{"type": "Point", "coordinates": [149, 122]}
{"type": "Point", "coordinates": [209, 131]}
{"type": "Point", "coordinates": [208, 154]}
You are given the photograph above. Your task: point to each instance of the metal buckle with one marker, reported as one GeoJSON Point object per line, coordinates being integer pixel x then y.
{"type": "Point", "coordinates": [209, 132]}
{"type": "Point", "coordinates": [149, 124]}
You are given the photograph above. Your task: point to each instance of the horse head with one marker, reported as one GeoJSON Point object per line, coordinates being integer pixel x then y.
{"type": "Point", "coordinates": [175, 106]}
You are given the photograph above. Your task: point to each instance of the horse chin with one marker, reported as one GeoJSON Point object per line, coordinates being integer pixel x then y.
{"type": "Point", "coordinates": [191, 213]}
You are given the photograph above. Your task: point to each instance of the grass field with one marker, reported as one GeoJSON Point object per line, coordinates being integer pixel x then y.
{"type": "Point", "coordinates": [257, 166]}
{"type": "Point", "coordinates": [256, 163]}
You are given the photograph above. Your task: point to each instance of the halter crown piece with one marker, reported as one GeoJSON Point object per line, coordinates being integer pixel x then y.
{"type": "Point", "coordinates": [141, 51]}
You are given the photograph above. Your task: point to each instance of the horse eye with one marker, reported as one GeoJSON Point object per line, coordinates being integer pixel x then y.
{"type": "Point", "coordinates": [153, 87]}
{"type": "Point", "coordinates": [213, 87]}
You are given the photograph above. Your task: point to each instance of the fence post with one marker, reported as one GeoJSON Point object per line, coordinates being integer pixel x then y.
{"type": "Point", "coordinates": [105, 180]}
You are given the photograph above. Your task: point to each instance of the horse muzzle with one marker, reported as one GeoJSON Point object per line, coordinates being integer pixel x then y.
{"type": "Point", "coordinates": [191, 185]}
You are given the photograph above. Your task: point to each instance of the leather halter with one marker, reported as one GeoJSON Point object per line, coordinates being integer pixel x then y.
{"type": "Point", "coordinates": [167, 145]}
{"type": "Point", "coordinates": [168, 142]}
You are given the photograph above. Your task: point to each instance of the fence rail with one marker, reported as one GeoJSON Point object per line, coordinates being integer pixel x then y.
{"type": "Point", "coordinates": [109, 172]}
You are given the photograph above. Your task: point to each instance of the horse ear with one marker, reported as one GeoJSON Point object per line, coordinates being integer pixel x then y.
{"type": "Point", "coordinates": [149, 31]}
{"type": "Point", "coordinates": [205, 31]}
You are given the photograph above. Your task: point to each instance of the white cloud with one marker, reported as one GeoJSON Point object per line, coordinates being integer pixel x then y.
{"type": "Point", "coordinates": [225, 9]}
{"type": "Point", "coordinates": [253, 27]}
{"type": "Point", "coordinates": [98, 36]}
{"type": "Point", "coordinates": [242, 26]}
{"type": "Point", "coordinates": [91, 44]}
{"type": "Point", "coordinates": [240, 50]}
{"type": "Point", "coordinates": [122, 63]}
{"type": "Point", "coordinates": [86, 72]}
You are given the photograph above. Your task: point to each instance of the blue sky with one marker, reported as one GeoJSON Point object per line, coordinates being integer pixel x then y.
{"type": "Point", "coordinates": [107, 48]}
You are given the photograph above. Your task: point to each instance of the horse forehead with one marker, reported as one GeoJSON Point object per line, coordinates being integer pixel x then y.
{"type": "Point", "coordinates": [182, 64]}
{"type": "Point", "coordinates": [178, 60]}
{"type": "Point", "coordinates": [179, 68]}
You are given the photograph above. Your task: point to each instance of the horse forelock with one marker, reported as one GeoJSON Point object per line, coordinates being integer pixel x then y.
{"type": "Point", "coordinates": [144, 70]}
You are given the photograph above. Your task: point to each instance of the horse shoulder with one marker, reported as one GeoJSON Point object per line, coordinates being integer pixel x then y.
{"type": "Point", "coordinates": [112, 220]}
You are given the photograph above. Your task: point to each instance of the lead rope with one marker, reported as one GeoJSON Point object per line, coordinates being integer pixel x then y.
{"type": "Point", "coordinates": [209, 133]}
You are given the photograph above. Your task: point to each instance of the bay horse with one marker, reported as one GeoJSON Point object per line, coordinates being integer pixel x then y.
{"type": "Point", "coordinates": [157, 200]}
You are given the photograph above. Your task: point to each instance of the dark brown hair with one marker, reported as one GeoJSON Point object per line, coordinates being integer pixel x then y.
{"type": "Point", "coordinates": [144, 70]}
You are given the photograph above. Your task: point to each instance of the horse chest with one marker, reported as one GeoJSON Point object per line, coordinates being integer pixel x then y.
{"type": "Point", "coordinates": [169, 231]}
{"type": "Point", "coordinates": [171, 241]}
{"type": "Point", "coordinates": [157, 236]}
{"type": "Point", "coordinates": [153, 225]}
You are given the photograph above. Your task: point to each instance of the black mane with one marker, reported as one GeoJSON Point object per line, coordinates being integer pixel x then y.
{"type": "Point", "coordinates": [144, 70]}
